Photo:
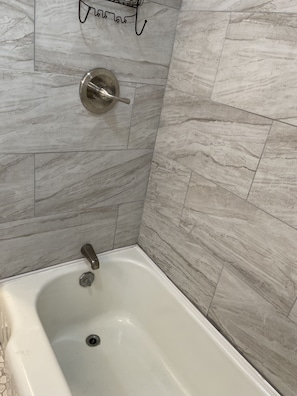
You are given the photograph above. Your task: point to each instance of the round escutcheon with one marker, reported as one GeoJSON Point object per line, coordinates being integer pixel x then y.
{"type": "Point", "coordinates": [101, 78]}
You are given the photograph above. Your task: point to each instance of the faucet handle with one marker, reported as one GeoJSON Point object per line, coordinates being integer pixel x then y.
{"type": "Point", "coordinates": [100, 90]}
{"type": "Point", "coordinates": [89, 253]}
{"type": "Point", "coordinates": [105, 95]}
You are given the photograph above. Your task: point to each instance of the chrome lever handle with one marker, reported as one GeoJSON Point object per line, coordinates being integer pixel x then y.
{"type": "Point", "coordinates": [105, 95]}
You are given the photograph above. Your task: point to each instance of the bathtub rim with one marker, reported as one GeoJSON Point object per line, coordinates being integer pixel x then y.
{"type": "Point", "coordinates": [137, 253]}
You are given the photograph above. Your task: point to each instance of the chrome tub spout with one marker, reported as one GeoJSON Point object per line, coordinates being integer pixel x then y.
{"type": "Point", "coordinates": [89, 253]}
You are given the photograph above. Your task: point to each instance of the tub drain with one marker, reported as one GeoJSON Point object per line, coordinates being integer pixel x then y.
{"type": "Point", "coordinates": [93, 340]}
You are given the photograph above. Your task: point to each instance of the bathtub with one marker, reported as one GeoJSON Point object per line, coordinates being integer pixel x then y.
{"type": "Point", "coordinates": [152, 340]}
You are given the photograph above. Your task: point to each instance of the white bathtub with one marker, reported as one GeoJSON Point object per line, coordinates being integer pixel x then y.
{"type": "Point", "coordinates": [153, 340]}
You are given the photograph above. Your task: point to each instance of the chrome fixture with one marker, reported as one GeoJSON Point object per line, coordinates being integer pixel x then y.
{"type": "Point", "coordinates": [86, 279]}
{"type": "Point", "coordinates": [105, 95]}
{"type": "Point", "coordinates": [100, 91]}
{"type": "Point", "coordinates": [89, 253]}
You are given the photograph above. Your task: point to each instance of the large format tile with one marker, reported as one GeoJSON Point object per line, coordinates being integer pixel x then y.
{"type": "Point", "coordinates": [37, 243]}
{"type": "Point", "coordinates": [64, 45]}
{"type": "Point", "coordinates": [16, 186]}
{"type": "Point", "coordinates": [265, 337]}
{"type": "Point", "coordinates": [241, 5]}
{"type": "Point", "coordinates": [17, 34]}
{"type": "Point", "coordinates": [218, 142]}
{"type": "Point", "coordinates": [128, 224]}
{"type": "Point", "coordinates": [275, 186]}
{"type": "Point", "coordinates": [258, 64]}
{"type": "Point", "coordinates": [146, 116]}
{"type": "Point", "coordinates": [185, 261]}
{"type": "Point", "coordinates": [43, 112]}
{"type": "Point", "coordinates": [167, 187]}
{"type": "Point", "coordinates": [74, 181]}
{"type": "Point", "coordinates": [293, 313]}
{"type": "Point", "coordinates": [169, 3]}
{"type": "Point", "coordinates": [198, 45]}
{"type": "Point", "coordinates": [261, 249]}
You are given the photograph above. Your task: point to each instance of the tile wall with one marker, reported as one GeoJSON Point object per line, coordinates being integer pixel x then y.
{"type": "Point", "coordinates": [68, 176]}
{"type": "Point", "coordinates": [220, 215]}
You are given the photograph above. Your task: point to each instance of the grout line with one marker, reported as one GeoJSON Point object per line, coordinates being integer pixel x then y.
{"type": "Point", "coordinates": [229, 337]}
{"type": "Point", "coordinates": [161, 110]}
{"type": "Point", "coordinates": [247, 202]}
{"type": "Point", "coordinates": [293, 305]}
{"type": "Point", "coordinates": [232, 107]}
{"type": "Point", "coordinates": [132, 113]}
{"type": "Point", "coordinates": [220, 58]}
{"type": "Point", "coordinates": [116, 227]}
{"type": "Point", "coordinates": [145, 195]}
{"type": "Point", "coordinates": [78, 75]}
{"type": "Point", "coordinates": [188, 187]}
{"type": "Point", "coordinates": [34, 37]}
{"type": "Point", "coordinates": [34, 185]}
{"type": "Point", "coordinates": [144, 150]}
{"type": "Point", "coordinates": [131, 202]}
{"type": "Point", "coordinates": [159, 122]}
{"type": "Point", "coordinates": [220, 276]}
{"type": "Point", "coordinates": [244, 11]}
{"type": "Point", "coordinates": [260, 159]}
{"type": "Point", "coordinates": [235, 108]}
{"type": "Point", "coordinates": [140, 224]}
{"type": "Point", "coordinates": [230, 267]}
{"type": "Point", "coordinates": [164, 5]}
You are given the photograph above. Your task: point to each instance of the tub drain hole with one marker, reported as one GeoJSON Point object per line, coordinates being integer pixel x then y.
{"type": "Point", "coordinates": [93, 340]}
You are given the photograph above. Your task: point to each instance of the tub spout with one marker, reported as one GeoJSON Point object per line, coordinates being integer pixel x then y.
{"type": "Point", "coordinates": [89, 253]}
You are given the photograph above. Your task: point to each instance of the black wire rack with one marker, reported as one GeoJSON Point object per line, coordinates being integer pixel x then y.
{"type": "Point", "coordinates": [128, 3]}
{"type": "Point", "coordinates": [84, 10]}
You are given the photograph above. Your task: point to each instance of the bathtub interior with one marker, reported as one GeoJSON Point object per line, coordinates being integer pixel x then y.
{"type": "Point", "coordinates": [153, 341]}
{"type": "Point", "coordinates": [128, 360]}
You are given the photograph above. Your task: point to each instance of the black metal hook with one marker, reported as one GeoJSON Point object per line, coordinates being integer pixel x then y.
{"type": "Point", "coordinates": [118, 19]}
{"type": "Point", "coordinates": [87, 14]}
{"type": "Point", "coordinates": [136, 22]}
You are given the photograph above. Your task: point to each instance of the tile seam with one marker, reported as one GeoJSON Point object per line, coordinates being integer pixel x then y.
{"type": "Point", "coordinates": [220, 58]}
{"type": "Point", "coordinates": [259, 162]}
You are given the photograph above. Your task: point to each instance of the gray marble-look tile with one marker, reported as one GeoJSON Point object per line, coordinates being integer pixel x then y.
{"type": "Point", "coordinates": [43, 113]}
{"type": "Point", "coordinates": [17, 34]}
{"type": "Point", "coordinates": [146, 116]}
{"type": "Point", "coordinates": [293, 313]}
{"type": "Point", "coordinates": [16, 186]}
{"type": "Point", "coordinates": [128, 224]}
{"type": "Point", "coordinates": [72, 181]}
{"type": "Point", "coordinates": [218, 142]}
{"type": "Point", "coordinates": [198, 45]}
{"type": "Point", "coordinates": [169, 3]}
{"type": "Point", "coordinates": [258, 64]}
{"type": "Point", "coordinates": [64, 45]}
{"type": "Point", "coordinates": [27, 245]}
{"type": "Point", "coordinates": [275, 186]}
{"type": "Point", "coordinates": [265, 337]}
{"type": "Point", "coordinates": [261, 249]}
{"type": "Point", "coordinates": [187, 263]}
{"type": "Point", "coordinates": [287, 6]}
{"type": "Point", "coordinates": [168, 186]}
